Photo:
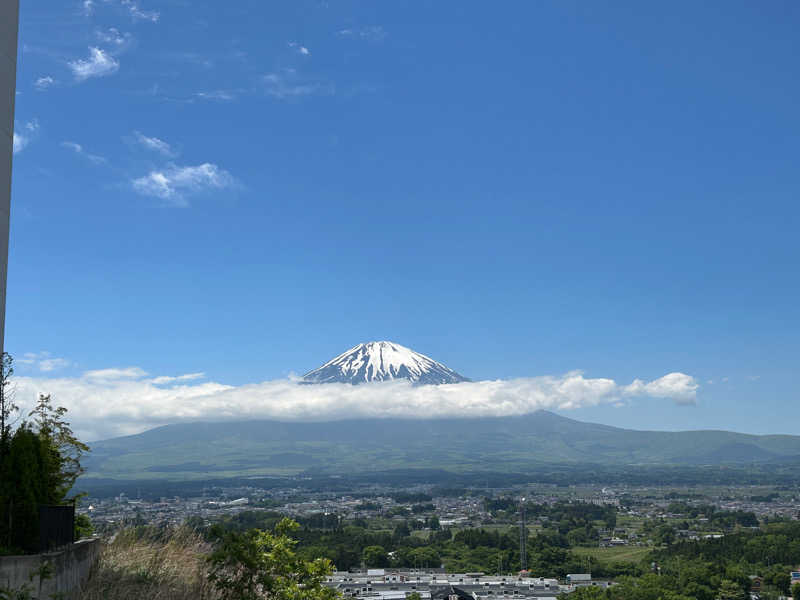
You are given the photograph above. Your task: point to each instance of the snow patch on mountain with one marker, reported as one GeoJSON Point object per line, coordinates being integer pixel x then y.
{"type": "Point", "coordinates": [382, 361]}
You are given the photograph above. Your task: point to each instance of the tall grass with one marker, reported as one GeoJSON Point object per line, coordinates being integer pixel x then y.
{"type": "Point", "coordinates": [153, 564]}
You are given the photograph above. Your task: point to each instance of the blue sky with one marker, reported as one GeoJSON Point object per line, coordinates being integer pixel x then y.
{"type": "Point", "coordinates": [248, 189]}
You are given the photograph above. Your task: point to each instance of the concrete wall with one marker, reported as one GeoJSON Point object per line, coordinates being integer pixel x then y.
{"type": "Point", "coordinates": [9, 25]}
{"type": "Point", "coordinates": [70, 568]}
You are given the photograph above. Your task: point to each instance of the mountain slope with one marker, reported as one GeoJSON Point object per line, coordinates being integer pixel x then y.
{"type": "Point", "coordinates": [382, 361]}
{"type": "Point", "coordinates": [502, 444]}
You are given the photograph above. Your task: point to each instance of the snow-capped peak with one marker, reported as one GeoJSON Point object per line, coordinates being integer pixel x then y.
{"type": "Point", "coordinates": [382, 361]}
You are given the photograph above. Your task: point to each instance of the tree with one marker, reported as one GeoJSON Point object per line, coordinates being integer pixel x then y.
{"type": "Point", "coordinates": [7, 406]}
{"type": "Point", "coordinates": [730, 590]}
{"type": "Point", "coordinates": [66, 449]}
{"type": "Point", "coordinates": [83, 527]}
{"type": "Point", "coordinates": [402, 530]}
{"type": "Point", "coordinates": [376, 556]}
{"type": "Point", "coordinates": [665, 535]}
{"type": "Point", "coordinates": [795, 589]}
{"type": "Point", "coordinates": [23, 486]}
{"type": "Point", "coordinates": [256, 565]}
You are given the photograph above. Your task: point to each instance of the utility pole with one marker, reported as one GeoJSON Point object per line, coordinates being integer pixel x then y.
{"type": "Point", "coordinates": [9, 28]}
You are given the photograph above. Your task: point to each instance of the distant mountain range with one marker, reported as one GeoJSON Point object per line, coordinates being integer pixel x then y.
{"type": "Point", "coordinates": [382, 361]}
{"type": "Point", "coordinates": [499, 444]}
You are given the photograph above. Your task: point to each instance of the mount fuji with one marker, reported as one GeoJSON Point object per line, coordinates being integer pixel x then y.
{"type": "Point", "coordinates": [382, 361]}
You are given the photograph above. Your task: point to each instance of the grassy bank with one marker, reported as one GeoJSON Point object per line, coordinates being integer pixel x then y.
{"type": "Point", "coordinates": [152, 564]}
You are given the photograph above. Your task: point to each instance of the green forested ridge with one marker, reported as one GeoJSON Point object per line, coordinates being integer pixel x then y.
{"type": "Point", "coordinates": [502, 444]}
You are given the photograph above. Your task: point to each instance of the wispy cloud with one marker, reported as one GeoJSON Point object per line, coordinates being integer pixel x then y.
{"type": "Point", "coordinates": [372, 33]}
{"type": "Point", "coordinates": [218, 95]}
{"type": "Point", "coordinates": [193, 58]}
{"type": "Point", "coordinates": [99, 64]}
{"type": "Point", "coordinates": [114, 37]}
{"type": "Point", "coordinates": [138, 13]}
{"type": "Point", "coordinates": [43, 361]}
{"type": "Point", "coordinates": [155, 144]}
{"type": "Point", "coordinates": [163, 379]}
{"type": "Point", "coordinates": [299, 48]}
{"type": "Point", "coordinates": [111, 402]}
{"type": "Point", "coordinates": [25, 135]}
{"type": "Point", "coordinates": [131, 6]}
{"type": "Point", "coordinates": [44, 83]}
{"type": "Point", "coordinates": [115, 375]}
{"type": "Point", "coordinates": [173, 183]}
{"type": "Point", "coordinates": [288, 85]}
{"type": "Point", "coordinates": [78, 149]}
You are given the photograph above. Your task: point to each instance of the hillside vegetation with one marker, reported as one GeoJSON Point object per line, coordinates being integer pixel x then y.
{"type": "Point", "coordinates": [507, 444]}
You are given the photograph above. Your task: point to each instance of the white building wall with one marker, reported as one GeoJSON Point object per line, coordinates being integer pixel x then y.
{"type": "Point", "coordinates": [9, 21]}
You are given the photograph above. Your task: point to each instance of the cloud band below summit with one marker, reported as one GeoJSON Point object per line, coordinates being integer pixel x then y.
{"type": "Point", "coordinates": [116, 402]}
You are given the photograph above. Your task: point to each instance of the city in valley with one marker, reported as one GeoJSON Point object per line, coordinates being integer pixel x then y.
{"type": "Point", "coordinates": [425, 538]}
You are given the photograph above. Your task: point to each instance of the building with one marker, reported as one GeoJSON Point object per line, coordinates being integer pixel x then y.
{"type": "Point", "coordinates": [386, 584]}
{"type": "Point", "coordinates": [9, 25]}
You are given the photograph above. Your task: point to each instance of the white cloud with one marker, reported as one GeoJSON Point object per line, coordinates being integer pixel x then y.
{"type": "Point", "coordinates": [300, 49]}
{"type": "Point", "coordinates": [98, 64]}
{"type": "Point", "coordinates": [44, 83]}
{"type": "Point", "coordinates": [138, 14]}
{"type": "Point", "coordinates": [113, 36]}
{"type": "Point", "coordinates": [42, 361]}
{"type": "Point", "coordinates": [19, 143]}
{"type": "Point", "coordinates": [25, 135]}
{"type": "Point", "coordinates": [112, 402]}
{"type": "Point", "coordinates": [374, 33]}
{"type": "Point", "coordinates": [53, 364]}
{"type": "Point", "coordinates": [219, 95]}
{"type": "Point", "coordinates": [285, 86]}
{"type": "Point", "coordinates": [155, 144]}
{"type": "Point", "coordinates": [72, 146]}
{"type": "Point", "coordinates": [115, 375]}
{"type": "Point", "coordinates": [173, 182]}
{"type": "Point", "coordinates": [162, 379]}
{"type": "Point", "coordinates": [680, 387]}
{"type": "Point", "coordinates": [133, 8]}
{"type": "Point", "coordinates": [78, 149]}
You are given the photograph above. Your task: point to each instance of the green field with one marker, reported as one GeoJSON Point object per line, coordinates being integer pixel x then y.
{"type": "Point", "coordinates": [615, 554]}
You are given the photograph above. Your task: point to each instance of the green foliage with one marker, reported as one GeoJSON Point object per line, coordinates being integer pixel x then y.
{"type": "Point", "coordinates": [402, 530]}
{"type": "Point", "coordinates": [66, 449]}
{"type": "Point", "coordinates": [731, 590]}
{"type": "Point", "coordinates": [664, 535]}
{"type": "Point", "coordinates": [257, 564]}
{"type": "Point", "coordinates": [83, 526]}
{"type": "Point", "coordinates": [7, 406]}
{"type": "Point", "coordinates": [39, 463]}
{"type": "Point", "coordinates": [27, 471]}
{"type": "Point", "coordinates": [376, 556]}
{"type": "Point", "coordinates": [795, 591]}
